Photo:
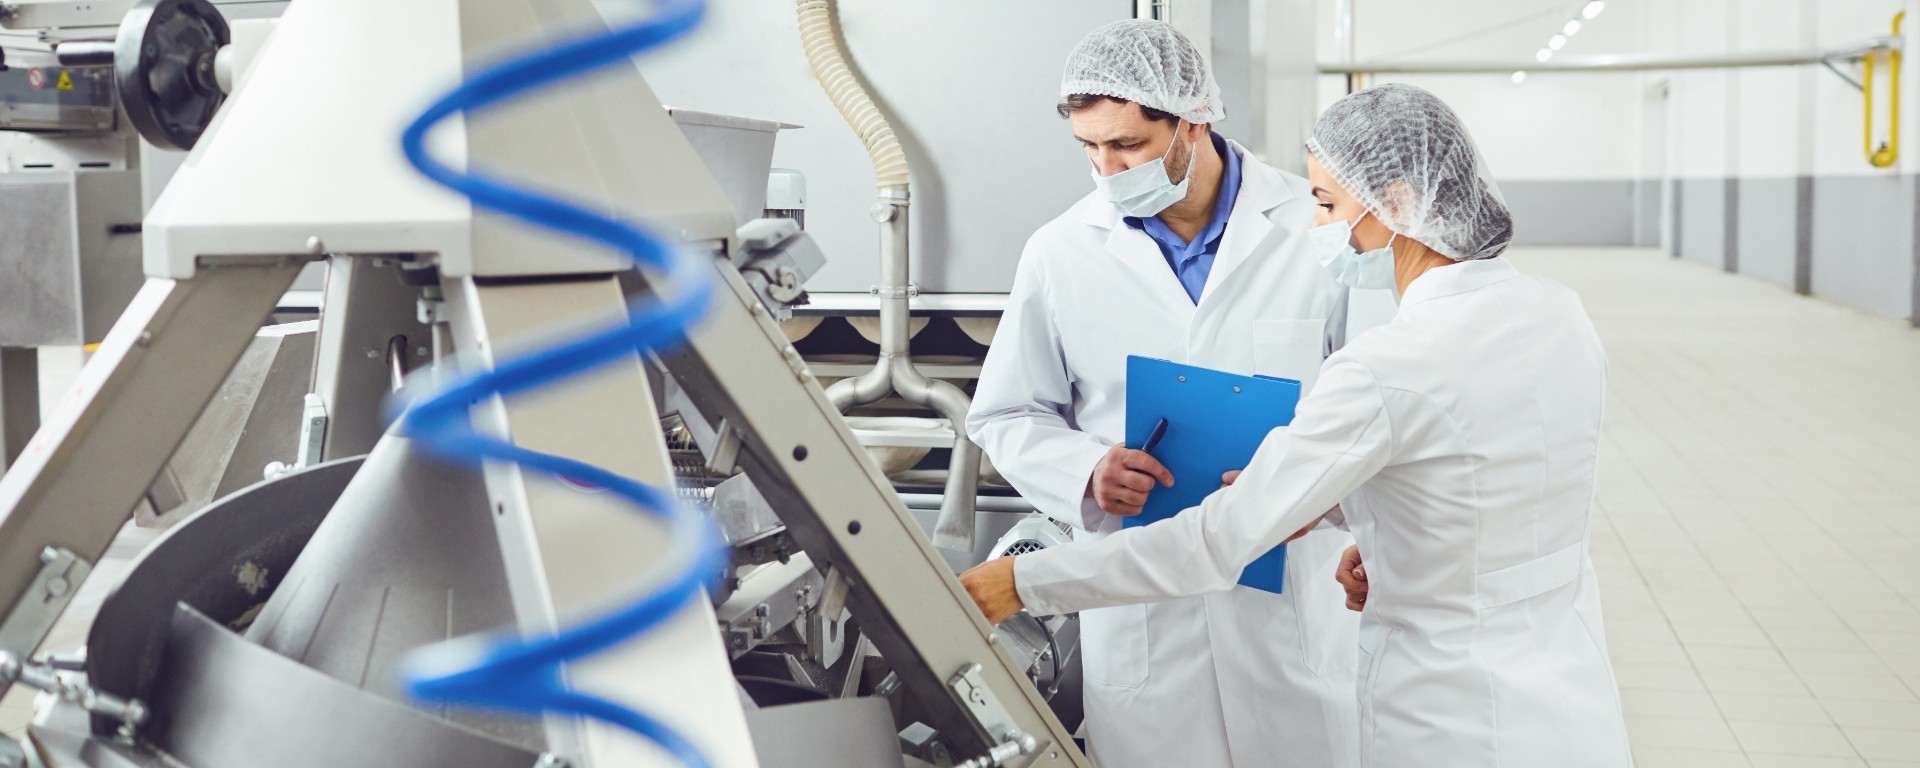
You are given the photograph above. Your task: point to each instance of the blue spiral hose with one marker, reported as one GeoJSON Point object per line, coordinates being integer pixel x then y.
{"type": "Point", "coordinates": [524, 675]}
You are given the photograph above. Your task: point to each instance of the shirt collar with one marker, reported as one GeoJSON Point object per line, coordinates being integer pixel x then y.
{"type": "Point", "coordinates": [1456, 279]}
{"type": "Point", "coordinates": [1222, 205]}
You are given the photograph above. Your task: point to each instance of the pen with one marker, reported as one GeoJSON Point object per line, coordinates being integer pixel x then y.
{"type": "Point", "coordinates": [1153, 438]}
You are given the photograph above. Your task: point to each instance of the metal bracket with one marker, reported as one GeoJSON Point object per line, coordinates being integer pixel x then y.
{"type": "Point", "coordinates": [784, 285]}
{"type": "Point", "coordinates": [978, 700]}
{"type": "Point", "coordinates": [768, 602]}
{"type": "Point", "coordinates": [833, 598]}
{"type": "Point", "coordinates": [849, 686]}
{"type": "Point", "coordinates": [313, 431]}
{"type": "Point", "coordinates": [1004, 751]}
{"type": "Point", "coordinates": [430, 311]}
{"type": "Point", "coordinates": [131, 713]}
{"type": "Point", "coordinates": [971, 690]}
{"type": "Point", "coordinates": [895, 292]}
{"type": "Point", "coordinates": [726, 450]}
{"type": "Point", "coordinates": [61, 572]}
{"type": "Point", "coordinates": [777, 257]}
{"type": "Point", "coordinates": [1844, 76]}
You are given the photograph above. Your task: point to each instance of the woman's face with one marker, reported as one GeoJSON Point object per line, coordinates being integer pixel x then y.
{"type": "Point", "coordinates": [1334, 204]}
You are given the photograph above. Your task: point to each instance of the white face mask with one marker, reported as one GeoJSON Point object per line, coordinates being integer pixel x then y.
{"type": "Point", "coordinates": [1145, 190]}
{"type": "Point", "coordinates": [1333, 244]}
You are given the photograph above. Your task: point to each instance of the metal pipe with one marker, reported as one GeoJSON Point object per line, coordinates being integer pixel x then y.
{"type": "Point", "coordinates": [894, 371]}
{"type": "Point", "coordinates": [1343, 43]}
{"type": "Point", "coordinates": [88, 52]}
{"type": "Point", "coordinates": [869, 387]}
{"type": "Point", "coordinates": [1625, 62]}
{"type": "Point", "coordinates": [953, 529]}
{"type": "Point", "coordinates": [397, 362]}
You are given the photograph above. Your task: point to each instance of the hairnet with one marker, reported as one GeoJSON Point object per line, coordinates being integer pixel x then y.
{"type": "Point", "coordinates": [1148, 63]}
{"type": "Point", "coordinates": [1404, 154]}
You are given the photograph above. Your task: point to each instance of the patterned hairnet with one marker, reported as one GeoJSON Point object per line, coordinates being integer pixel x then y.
{"type": "Point", "coordinates": [1404, 154]}
{"type": "Point", "coordinates": [1148, 63]}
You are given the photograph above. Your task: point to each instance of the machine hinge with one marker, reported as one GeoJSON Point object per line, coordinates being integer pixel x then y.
{"type": "Point", "coordinates": [29, 620]}
{"type": "Point", "coordinates": [971, 690]}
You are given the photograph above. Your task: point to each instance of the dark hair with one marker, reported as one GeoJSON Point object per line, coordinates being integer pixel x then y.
{"type": "Point", "coordinates": [1080, 101]}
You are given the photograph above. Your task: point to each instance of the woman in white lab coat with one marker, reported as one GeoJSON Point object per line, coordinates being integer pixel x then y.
{"type": "Point", "coordinates": [1459, 442]}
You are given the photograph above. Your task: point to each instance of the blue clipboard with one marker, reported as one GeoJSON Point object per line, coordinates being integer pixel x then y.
{"type": "Point", "coordinates": [1214, 421]}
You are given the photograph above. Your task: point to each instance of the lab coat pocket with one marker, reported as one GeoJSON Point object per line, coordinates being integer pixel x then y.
{"type": "Point", "coordinates": [1326, 628]}
{"type": "Point", "coordinates": [1114, 646]}
{"type": "Point", "coordinates": [1290, 349]}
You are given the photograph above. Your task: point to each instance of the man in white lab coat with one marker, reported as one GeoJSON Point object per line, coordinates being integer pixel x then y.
{"type": "Point", "coordinates": [1190, 249]}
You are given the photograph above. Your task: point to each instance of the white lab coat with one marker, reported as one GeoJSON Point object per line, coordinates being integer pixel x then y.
{"type": "Point", "coordinates": [1463, 438]}
{"type": "Point", "coordinates": [1242, 678]}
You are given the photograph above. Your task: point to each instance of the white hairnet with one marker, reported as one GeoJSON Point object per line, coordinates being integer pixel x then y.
{"type": "Point", "coordinates": [1404, 154]}
{"type": "Point", "coordinates": [1148, 63]}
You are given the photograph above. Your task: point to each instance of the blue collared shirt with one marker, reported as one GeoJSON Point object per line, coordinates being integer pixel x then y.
{"type": "Point", "coordinates": [1192, 262]}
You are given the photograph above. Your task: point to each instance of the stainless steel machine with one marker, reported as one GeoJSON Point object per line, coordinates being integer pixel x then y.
{"type": "Point", "coordinates": [84, 149]}
{"type": "Point", "coordinates": [265, 629]}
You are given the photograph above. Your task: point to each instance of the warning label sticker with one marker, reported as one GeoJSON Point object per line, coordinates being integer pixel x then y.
{"type": "Point", "coordinates": [66, 81]}
{"type": "Point", "coordinates": [36, 79]}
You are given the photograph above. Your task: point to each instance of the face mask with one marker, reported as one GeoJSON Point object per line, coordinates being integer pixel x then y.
{"type": "Point", "coordinates": [1333, 244]}
{"type": "Point", "coordinates": [1145, 190]}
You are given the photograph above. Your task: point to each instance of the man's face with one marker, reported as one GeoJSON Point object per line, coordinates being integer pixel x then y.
{"type": "Point", "coordinates": [1118, 136]}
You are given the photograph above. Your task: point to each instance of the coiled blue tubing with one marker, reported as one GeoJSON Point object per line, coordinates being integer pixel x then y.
{"type": "Point", "coordinates": [524, 674]}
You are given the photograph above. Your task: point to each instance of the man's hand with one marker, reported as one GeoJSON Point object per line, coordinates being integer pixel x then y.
{"type": "Point", "coordinates": [1122, 479]}
{"type": "Point", "coordinates": [990, 584]}
{"type": "Point", "coordinates": [1228, 478]}
{"type": "Point", "coordinates": [1353, 576]}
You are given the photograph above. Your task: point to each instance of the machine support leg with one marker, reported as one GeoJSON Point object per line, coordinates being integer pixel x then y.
{"type": "Point", "coordinates": [834, 501]}
{"type": "Point", "coordinates": [78, 480]}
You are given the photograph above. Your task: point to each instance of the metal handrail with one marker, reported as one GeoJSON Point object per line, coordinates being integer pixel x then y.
{"type": "Point", "coordinates": [1624, 62]}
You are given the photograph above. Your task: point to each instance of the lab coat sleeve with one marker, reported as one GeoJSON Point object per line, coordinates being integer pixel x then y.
{"type": "Point", "coordinates": [1340, 437]}
{"type": "Point", "coordinates": [1020, 407]}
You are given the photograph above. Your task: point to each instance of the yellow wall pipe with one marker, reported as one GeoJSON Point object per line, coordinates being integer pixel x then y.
{"type": "Point", "coordinates": [1889, 153]}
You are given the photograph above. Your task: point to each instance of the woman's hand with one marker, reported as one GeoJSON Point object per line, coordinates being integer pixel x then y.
{"type": "Point", "coordinates": [990, 584]}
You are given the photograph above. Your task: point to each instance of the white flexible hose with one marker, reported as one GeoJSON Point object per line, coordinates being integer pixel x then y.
{"type": "Point", "coordinates": [849, 95]}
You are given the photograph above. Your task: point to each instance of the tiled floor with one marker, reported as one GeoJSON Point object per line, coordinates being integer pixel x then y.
{"type": "Point", "coordinates": [1759, 535]}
